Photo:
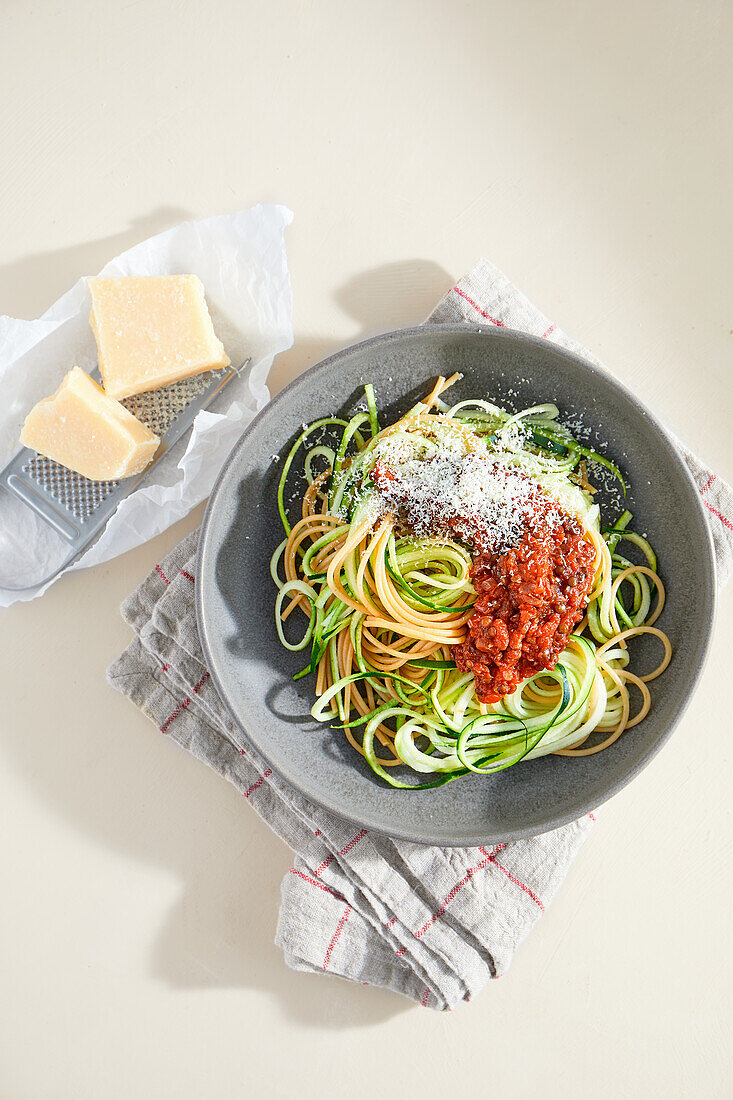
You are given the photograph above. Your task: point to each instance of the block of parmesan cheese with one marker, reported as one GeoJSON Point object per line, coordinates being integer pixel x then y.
{"type": "Point", "coordinates": [152, 330]}
{"type": "Point", "coordinates": [84, 429]}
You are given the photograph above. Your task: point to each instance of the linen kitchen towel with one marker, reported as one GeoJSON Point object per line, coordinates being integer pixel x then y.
{"type": "Point", "coordinates": [432, 923]}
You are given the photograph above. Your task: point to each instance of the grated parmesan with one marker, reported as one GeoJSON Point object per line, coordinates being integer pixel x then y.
{"type": "Point", "coordinates": [466, 495]}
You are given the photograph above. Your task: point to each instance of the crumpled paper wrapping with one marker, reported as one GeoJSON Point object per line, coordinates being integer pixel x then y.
{"type": "Point", "coordinates": [240, 258]}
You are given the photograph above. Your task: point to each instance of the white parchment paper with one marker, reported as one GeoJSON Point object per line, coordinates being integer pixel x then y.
{"type": "Point", "coordinates": [240, 258]}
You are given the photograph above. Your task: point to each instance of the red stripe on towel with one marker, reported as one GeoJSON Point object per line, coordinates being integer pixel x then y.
{"type": "Point", "coordinates": [723, 519]}
{"type": "Point", "coordinates": [513, 878]}
{"type": "Point", "coordinates": [478, 308]}
{"type": "Point", "coordinates": [315, 882]}
{"type": "Point", "coordinates": [519, 883]}
{"type": "Point", "coordinates": [329, 859]}
{"type": "Point", "coordinates": [459, 886]}
{"type": "Point", "coordinates": [337, 933]}
{"type": "Point", "coordinates": [257, 783]}
{"type": "Point", "coordinates": [186, 702]}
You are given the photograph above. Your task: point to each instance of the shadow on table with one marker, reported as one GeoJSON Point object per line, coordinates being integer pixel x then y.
{"type": "Point", "coordinates": [220, 934]}
{"type": "Point", "coordinates": [56, 270]}
{"type": "Point", "coordinates": [136, 797]}
{"type": "Point", "coordinates": [392, 296]}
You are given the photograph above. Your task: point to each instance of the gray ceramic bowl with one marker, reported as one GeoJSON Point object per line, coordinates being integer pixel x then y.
{"type": "Point", "coordinates": [235, 593]}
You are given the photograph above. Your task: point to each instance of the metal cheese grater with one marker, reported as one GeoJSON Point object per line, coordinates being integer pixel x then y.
{"type": "Point", "coordinates": [78, 508]}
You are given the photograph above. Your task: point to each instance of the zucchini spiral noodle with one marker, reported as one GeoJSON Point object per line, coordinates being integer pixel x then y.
{"type": "Point", "coordinates": [385, 601]}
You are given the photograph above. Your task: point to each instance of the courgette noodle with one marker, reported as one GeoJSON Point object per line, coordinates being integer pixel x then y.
{"type": "Point", "coordinates": [383, 606]}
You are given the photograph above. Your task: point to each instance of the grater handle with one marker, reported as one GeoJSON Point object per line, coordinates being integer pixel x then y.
{"type": "Point", "coordinates": [65, 563]}
{"type": "Point", "coordinates": [44, 580]}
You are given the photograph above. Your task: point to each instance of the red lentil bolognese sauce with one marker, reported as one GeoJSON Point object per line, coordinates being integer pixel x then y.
{"type": "Point", "coordinates": [532, 571]}
{"type": "Point", "coordinates": [529, 598]}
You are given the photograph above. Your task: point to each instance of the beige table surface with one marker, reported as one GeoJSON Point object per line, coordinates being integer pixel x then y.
{"type": "Point", "coordinates": [586, 149]}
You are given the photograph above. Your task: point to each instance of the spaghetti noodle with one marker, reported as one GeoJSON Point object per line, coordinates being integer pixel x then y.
{"type": "Point", "coordinates": [443, 565]}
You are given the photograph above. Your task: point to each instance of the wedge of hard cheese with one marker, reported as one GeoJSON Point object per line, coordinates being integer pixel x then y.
{"type": "Point", "coordinates": [83, 428]}
{"type": "Point", "coordinates": [152, 330]}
